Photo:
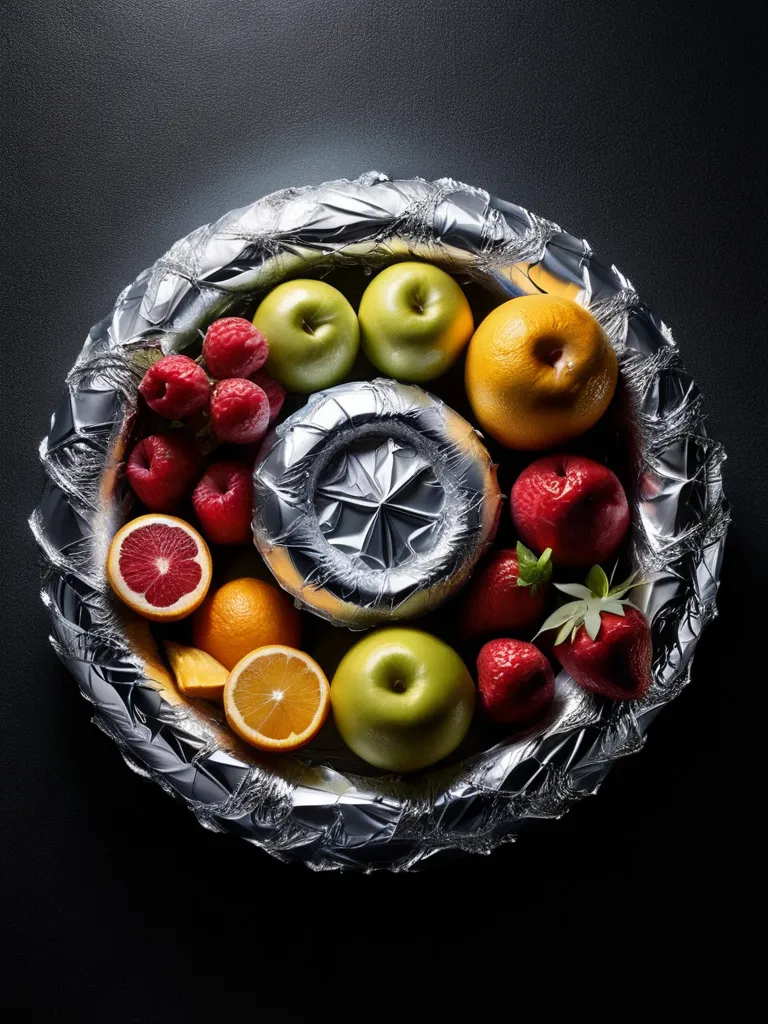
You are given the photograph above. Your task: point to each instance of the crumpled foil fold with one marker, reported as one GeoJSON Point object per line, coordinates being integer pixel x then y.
{"type": "Point", "coordinates": [312, 809]}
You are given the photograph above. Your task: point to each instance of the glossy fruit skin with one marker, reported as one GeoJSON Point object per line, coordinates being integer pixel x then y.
{"type": "Point", "coordinates": [176, 387]}
{"type": "Point", "coordinates": [162, 469]}
{"type": "Point", "coordinates": [242, 615]}
{"type": "Point", "coordinates": [223, 502]}
{"type": "Point", "coordinates": [572, 504]}
{"type": "Point", "coordinates": [274, 391]}
{"type": "Point", "coordinates": [540, 371]}
{"type": "Point", "coordinates": [313, 335]}
{"type": "Point", "coordinates": [494, 602]}
{"type": "Point", "coordinates": [415, 321]}
{"type": "Point", "coordinates": [402, 699]}
{"type": "Point", "coordinates": [618, 663]}
{"type": "Point", "coordinates": [239, 411]}
{"type": "Point", "coordinates": [233, 347]}
{"type": "Point", "coordinates": [515, 682]}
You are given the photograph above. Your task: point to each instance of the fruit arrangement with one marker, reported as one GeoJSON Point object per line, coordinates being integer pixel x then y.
{"type": "Point", "coordinates": [539, 380]}
{"type": "Point", "coordinates": [527, 755]}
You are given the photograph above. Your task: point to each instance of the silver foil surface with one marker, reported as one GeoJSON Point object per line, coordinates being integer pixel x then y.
{"type": "Point", "coordinates": [316, 807]}
{"type": "Point", "coordinates": [374, 503]}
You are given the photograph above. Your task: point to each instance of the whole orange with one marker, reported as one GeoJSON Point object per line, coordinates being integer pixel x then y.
{"type": "Point", "coordinates": [242, 615]}
{"type": "Point", "coordinates": [540, 371]}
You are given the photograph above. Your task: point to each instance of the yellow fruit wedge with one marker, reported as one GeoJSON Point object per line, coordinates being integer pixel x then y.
{"type": "Point", "coordinates": [197, 673]}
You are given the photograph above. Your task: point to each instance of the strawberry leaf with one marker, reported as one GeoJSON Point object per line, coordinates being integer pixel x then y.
{"type": "Point", "coordinates": [565, 614]}
{"type": "Point", "coordinates": [525, 557]}
{"type": "Point", "coordinates": [597, 581]}
{"type": "Point", "coordinates": [628, 584]}
{"type": "Point", "coordinates": [575, 590]}
{"type": "Point", "coordinates": [587, 610]}
{"type": "Point", "coordinates": [562, 633]}
{"type": "Point", "coordinates": [533, 572]}
{"type": "Point", "coordinates": [143, 358]}
{"type": "Point", "coordinates": [592, 623]}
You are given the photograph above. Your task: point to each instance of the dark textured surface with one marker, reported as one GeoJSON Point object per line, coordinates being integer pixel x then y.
{"type": "Point", "coordinates": [126, 125]}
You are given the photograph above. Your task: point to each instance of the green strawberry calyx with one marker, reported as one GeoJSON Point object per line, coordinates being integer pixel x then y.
{"type": "Point", "coordinates": [591, 600]}
{"type": "Point", "coordinates": [533, 572]}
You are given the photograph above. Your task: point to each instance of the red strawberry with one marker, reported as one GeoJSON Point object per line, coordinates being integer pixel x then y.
{"type": "Point", "coordinates": [508, 593]}
{"type": "Point", "coordinates": [223, 501]}
{"type": "Point", "coordinates": [603, 640]}
{"type": "Point", "coordinates": [176, 387]}
{"type": "Point", "coordinates": [233, 347]}
{"type": "Point", "coordinates": [515, 681]}
{"type": "Point", "coordinates": [162, 469]}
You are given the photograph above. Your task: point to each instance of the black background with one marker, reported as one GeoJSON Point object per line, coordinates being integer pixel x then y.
{"type": "Point", "coordinates": [128, 124]}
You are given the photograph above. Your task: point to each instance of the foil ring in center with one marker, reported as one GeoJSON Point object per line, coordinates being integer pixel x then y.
{"type": "Point", "coordinates": [374, 503]}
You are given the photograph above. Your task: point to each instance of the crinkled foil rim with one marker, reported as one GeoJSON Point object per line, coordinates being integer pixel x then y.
{"type": "Point", "coordinates": [315, 813]}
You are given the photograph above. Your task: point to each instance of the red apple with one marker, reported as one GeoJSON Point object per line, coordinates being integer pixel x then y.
{"type": "Point", "coordinates": [573, 505]}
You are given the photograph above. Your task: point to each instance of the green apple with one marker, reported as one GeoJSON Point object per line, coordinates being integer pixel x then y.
{"type": "Point", "coordinates": [313, 335]}
{"type": "Point", "coordinates": [414, 321]}
{"type": "Point", "coordinates": [402, 699]}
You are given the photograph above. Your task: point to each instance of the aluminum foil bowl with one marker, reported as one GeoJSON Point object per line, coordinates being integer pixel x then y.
{"type": "Point", "coordinates": [374, 503]}
{"type": "Point", "coordinates": [318, 807]}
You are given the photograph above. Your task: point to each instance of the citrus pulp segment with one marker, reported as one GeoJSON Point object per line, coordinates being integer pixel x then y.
{"type": "Point", "coordinates": [276, 698]}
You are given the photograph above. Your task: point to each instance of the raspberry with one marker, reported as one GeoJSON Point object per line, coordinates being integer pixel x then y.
{"type": "Point", "coordinates": [274, 391]}
{"type": "Point", "coordinates": [239, 411]}
{"type": "Point", "coordinates": [233, 347]}
{"type": "Point", "coordinates": [223, 501]}
{"type": "Point", "coordinates": [176, 387]}
{"type": "Point", "coordinates": [162, 469]}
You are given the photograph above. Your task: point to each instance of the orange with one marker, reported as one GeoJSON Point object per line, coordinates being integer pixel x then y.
{"type": "Point", "coordinates": [159, 566]}
{"type": "Point", "coordinates": [242, 615]}
{"type": "Point", "coordinates": [540, 371]}
{"type": "Point", "coordinates": [276, 698]}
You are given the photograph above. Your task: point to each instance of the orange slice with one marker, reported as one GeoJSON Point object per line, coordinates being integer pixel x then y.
{"type": "Point", "coordinates": [276, 698]}
{"type": "Point", "coordinates": [160, 567]}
